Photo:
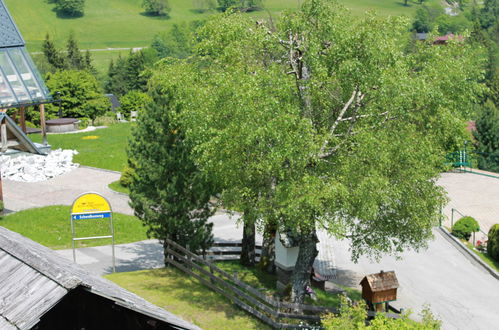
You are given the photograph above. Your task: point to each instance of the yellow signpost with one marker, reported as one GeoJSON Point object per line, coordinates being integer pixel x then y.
{"type": "Point", "coordinates": [91, 206]}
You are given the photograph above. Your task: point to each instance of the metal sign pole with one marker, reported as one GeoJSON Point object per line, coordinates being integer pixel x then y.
{"type": "Point", "coordinates": [112, 246]}
{"type": "Point", "coordinates": [92, 206]}
{"type": "Point", "coordinates": [73, 237]}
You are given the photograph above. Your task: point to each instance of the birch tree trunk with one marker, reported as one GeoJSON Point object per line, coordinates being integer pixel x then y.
{"type": "Point", "coordinates": [303, 267]}
{"type": "Point", "coordinates": [267, 258]}
{"type": "Point", "coordinates": [248, 244]}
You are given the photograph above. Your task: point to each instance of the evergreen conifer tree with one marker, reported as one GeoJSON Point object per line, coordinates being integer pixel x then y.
{"type": "Point", "coordinates": [52, 54]}
{"type": "Point", "coordinates": [88, 63]}
{"type": "Point", "coordinates": [167, 191]}
{"type": "Point", "coordinates": [487, 137]}
{"type": "Point", "coordinates": [75, 59]}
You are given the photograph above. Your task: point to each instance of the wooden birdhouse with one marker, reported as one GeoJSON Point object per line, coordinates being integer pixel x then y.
{"type": "Point", "coordinates": [379, 288]}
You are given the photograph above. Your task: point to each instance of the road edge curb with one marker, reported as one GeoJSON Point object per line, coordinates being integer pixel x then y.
{"type": "Point", "coordinates": [470, 255]}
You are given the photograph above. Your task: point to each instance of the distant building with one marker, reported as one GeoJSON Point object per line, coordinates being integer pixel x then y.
{"type": "Point", "coordinates": [442, 40]}
{"type": "Point", "coordinates": [41, 290]}
{"type": "Point", "coordinates": [115, 103]}
{"type": "Point", "coordinates": [421, 36]}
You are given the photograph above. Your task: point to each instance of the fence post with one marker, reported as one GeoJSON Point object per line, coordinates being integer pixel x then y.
{"type": "Point", "coordinates": [212, 273]}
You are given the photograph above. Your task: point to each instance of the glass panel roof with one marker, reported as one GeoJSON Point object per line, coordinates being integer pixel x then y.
{"type": "Point", "coordinates": [20, 81]}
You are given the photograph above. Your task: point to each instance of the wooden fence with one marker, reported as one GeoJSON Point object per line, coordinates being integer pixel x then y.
{"type": "Point", "coordinates": [275, 313]}
{"type": "Point", "coordinates": [229, 251]}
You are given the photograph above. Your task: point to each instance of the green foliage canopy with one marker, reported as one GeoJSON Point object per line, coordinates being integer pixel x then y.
{"type": "Point", "coordinates": [80, 94]}
{"type": "Point", "coordinates": [354, 318]}
{"type": "Point", "coordinates": [167, 191]}
{"type": "Point", "coordinates": [70, 7]}
{"type": "Point", "coordinates": [325, 121]}
{"type": "Point", "coordinates": [133, 101]}
{"type": "Point", "coordinates": [464, 227]}
{"type": "Point", "coordinates": [487, 137]}
{"type": "Point", "coordinates": [156, 7]}
{"type": "Point", "coordinates": [493, 242]}
{"type": "Point", "coordinates": [130, 73]}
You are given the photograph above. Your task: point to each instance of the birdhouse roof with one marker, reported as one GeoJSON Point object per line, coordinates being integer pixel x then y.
{"type": "Point", "coordinates": [381, 281]}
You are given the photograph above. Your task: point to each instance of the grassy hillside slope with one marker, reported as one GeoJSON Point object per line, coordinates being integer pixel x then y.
{"type": "Point", "coordinates": [121, 23]}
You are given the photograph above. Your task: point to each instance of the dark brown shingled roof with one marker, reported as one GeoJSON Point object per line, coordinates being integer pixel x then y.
{"type": "Point", "coordinates": [382, 281]}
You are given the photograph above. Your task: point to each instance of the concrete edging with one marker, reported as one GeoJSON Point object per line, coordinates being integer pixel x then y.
{"type": "Point", "coordinates": [470, 255]}
{"type": "Point", "coordinates": [100, 169]}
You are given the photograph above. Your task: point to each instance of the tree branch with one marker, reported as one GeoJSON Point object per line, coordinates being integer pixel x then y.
{"type": "Point", "coordinates": [355, 94]}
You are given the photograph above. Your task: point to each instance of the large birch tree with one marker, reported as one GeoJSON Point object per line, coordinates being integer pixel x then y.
{"type": "Point", "coordinates": [325, 121]}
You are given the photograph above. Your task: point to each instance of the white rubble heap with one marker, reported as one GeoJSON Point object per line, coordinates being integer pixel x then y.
{"type": "Point", "coordinates": [36, 168]}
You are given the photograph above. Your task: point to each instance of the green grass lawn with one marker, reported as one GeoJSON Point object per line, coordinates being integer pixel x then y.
{"type": "Point", "coordinates": [186, 297]}
{"type": "Point", "coordinates": [182, 295]}
{"type": "Point", "coordinates": [50, 226]}
{"type": "Point", "coordinates": [116, 186]}
{"type": "Point", "coordinates": [102, 148]}
{"type": "Point", "coordinates": [266, 283]}
{"type": "Point", "coordinates": [484, 256]}
{"type": "Point", "coordinates": [121, 23]}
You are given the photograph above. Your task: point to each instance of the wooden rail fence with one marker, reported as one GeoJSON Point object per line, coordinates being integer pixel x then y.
{"type": "Point", "coordinates": [275, 313]}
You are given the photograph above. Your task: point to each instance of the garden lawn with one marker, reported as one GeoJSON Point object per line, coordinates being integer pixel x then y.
{"type": "Point", "coordinates": [484, 256]}
{"type": "Point", "coordinates": [50, 226]}
{"type": "Point", "coordinates": [183, 295]}
{"type": "Point", "coordinates": [186, 297]}
{"type": "Point", "coordinates": [103, 148]}
{"type": "Point", "coordinates": [116, 186]}
{"type": "Point", "coordinates": [267, 283]}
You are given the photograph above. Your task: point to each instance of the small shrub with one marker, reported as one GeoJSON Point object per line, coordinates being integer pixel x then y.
{"type": "Point", "coordinates": [84, 122]}
{"type": "Point", "coordinates": [493, 242]}
{"type": "Point", "coordinates": [464, 227]}
{"type": "Point", "coordinates": [133, 101]}
{"type": "Point", "coordinates": [156, 7]}
{"type": "Point", "coordinates": [70, 7]}
{"type": "Point", "coordinates": [126, 176]}
{"type": "Point", "coordinates": [1, 206]}
{"type": "Point", "coordinates": [108, 119]}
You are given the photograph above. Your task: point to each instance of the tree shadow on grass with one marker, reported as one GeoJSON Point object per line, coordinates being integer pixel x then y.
{"type": "Point", "coordinates": [402, 3]}
{"type": "Point", "coordinates": [63, 15]}
{"type": "Point", "coordinates": [155, 16]}
{"type": "Point", "coordinates": [204, 11]}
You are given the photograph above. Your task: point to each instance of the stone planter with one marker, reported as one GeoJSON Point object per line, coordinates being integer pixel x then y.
{"type": "Point", "coordinates": [62, 125]}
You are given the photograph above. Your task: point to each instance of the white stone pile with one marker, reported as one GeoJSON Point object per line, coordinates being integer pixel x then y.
{"type": "Point", "coordinates": [36, 168]}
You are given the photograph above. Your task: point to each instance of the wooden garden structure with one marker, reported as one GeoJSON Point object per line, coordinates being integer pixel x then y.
{"type": "Point", "coordinates": [380, 288]}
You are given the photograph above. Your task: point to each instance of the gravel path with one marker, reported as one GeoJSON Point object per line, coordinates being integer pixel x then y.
{"type": "Point", "coordinates": [63, 190]}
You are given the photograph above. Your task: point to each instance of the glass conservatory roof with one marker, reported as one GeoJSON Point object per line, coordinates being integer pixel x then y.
{"type": "Point", "coordinates": [20, 81]}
